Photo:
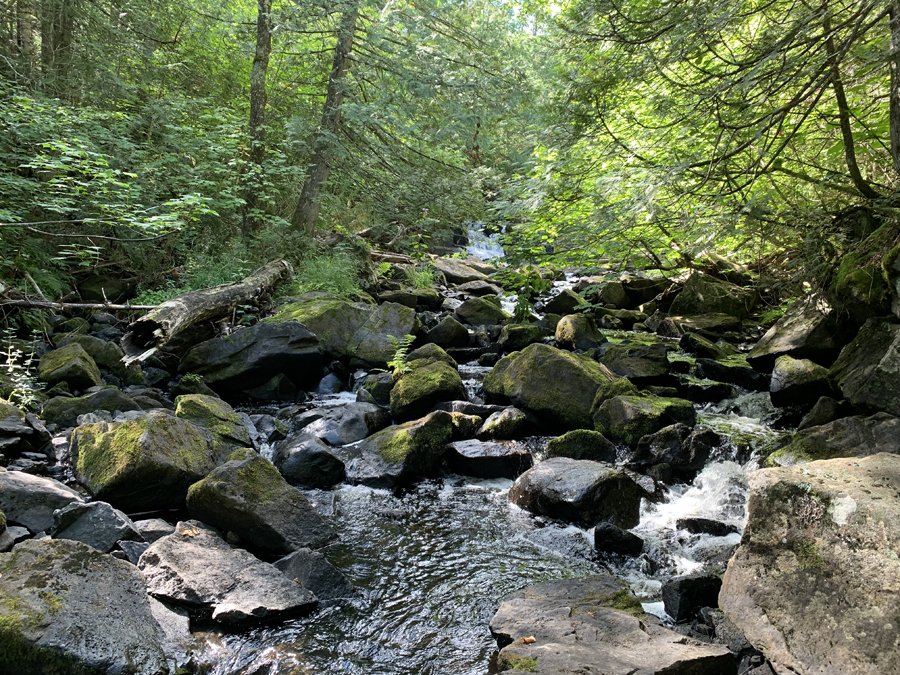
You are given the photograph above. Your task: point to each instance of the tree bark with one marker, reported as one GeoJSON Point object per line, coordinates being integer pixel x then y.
{"type": "Point", "coordinates": [153, 330]}
{"type": "Point", "coordinates": [57, 36]}
{"type": "Point", "coordinates": [894, 114]}
{"type": "Point", "coordinates": [306, 215]}
{"type": "Point", "coordinates": [257, 124]}
{"type": "Point", "coordinates": [26, 29]}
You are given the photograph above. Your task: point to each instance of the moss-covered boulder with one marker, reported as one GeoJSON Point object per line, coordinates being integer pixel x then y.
{"type": "Point", "coordinates": [703, 294]}
{"type": "Point", "coordinates": [847, 437]}
{"type": "Point", "coordinates": [349, 329]}
{"type": "Point", "coordinates": [814, 583]}
{"type": "Point", "coordinates": [379, 387]}
{"type": "Point", "coordinates": [644, 365]}
{"type": "Point", "coordinates": [710, 325]}
{"type": "Point", "coordinates": [402, 454]}
{"type": "Point", "coordinates": [249, 358]}
{"type": "Point", "coordinates": [506, 425]}
{"type": "Point", "coordinates": [578, 491]}
{"type": "Point", "coordinates": [578, 332]}
{"type": "Point", "coordinates": [449, 333]}
{"type": "Point", "coordinates": [867, 370]}
{"type": "Point", "coordinates": [428, 381]}
{"type": "Point", "coordinates": [69, 364]}
{"type": "Point", "coordinates": [797, 382]}
{"type": "Point", "coordinates": [428, 354]}
{"type": "Point", "coordinates": [564, 302]}
{"type": "Point", "coordinates": [483, 311]}
{"type": "Point", "coordinates": [625, 419]}
{"type": "Point", "coordinates": [700, 346]}
{"type": "Point", "coordinates": [514, 337]}
{"type": "Point", "coordinates": [555, 385]}
{"type": "Point", "coordinates": [582, 444]}
{"type": "Point", "coordinates": [145, 464]}
{"type": "Point", "coordinates": [810, 329]}
{"type": "Point", "coordinates": [68, 609]}
{"type": "Point", "coordinates": [866, 277]}
{"type": "Point", "coordinates": [64, 411]}
{"type": "Point", "coordinates": [227, 428]}
{"type": "Point", "coordinates": [249, 498]}
{"type": "Point", "coordinates": [108, 356]}
{"type": "Point", "coordinates": [619, 386]}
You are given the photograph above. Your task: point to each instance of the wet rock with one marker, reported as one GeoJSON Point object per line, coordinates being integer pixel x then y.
{"type": "Point", "coordinates": [96, 524]}
{"type": "Point", "coordinates": [701, 391]}
{"type": "Point", "coordinates": [345, 424]}
{"type": "Point", "coordinates": [465, 426]}
{"type": "Point", "coordinates": [855, 436]}
{"type": "Point", "coordinates": [700, 346]}
{"type": "Point", "coordinates": [644, 365]}
{"type": "Point", "coordinates": [143, 464]}
{"type": "Point", "coordinates": [643, 289]}
{"type": "Point", "coordinates": [227, 428]}
{"type": "Point", "coordinates": [481, 311]}
{"type": "Point", "coordinates": [797, 382]}
{"type": "Point", "coordinates": [312, 571]}
{"type": "Point", "coordinates": [69, 364]}
{"type": "Point", "coordinates": [620, 386]}
{"type": "Point", "coordinates": [578, 491]}
{"type": "Point", "coordinates": [865, 371]}
{"type": "Point", "coordinates": [582, 444]}
{"type": "Point", "coordinates": [401, 297]}
{"type": "Point", "coordinates": [555, 385]}
{"type": "Point", "coordinates": [426, 383]}
{"type": "Point", "coordinates": [714, 528]}
{"type": "Point", "coordinates": [65, 411]}
{"type": "Point", "coordinates": [564, 302]}
{"type": "Point", "coordinates": [709, 325]}
{"type": "Point", "coordinates": [30, 501]}
{"type": "Point", "coordinates": [809, 329]}
{"type": "Point", "coordinates": [814, 582]}
{"type": "Point", "coordinates": [738, 375]}
{"type": "Point", "coordinates": [196, 568]}
{"type": "Point", "coordinates": [612, 293]}
{"type": "Point", "coordinates": [401, 454]}
{"type": "Point", "coordinates": [486, 459]}
{"type": "Point", "coordinates": [448, 333]}
{"type": "Point", "coordinates": [627, 419]}
{"type": "Point", "coordinates": [514, 337]}
{"type": "Point", "coordinates": [249, 498]}
{"type": "Point", "coordinates": [133, 550]}
{"type": "Point", "coordinates": [152, 529]}
{"type": "Point", "coordinates": [684, 596]}
{"type": "Point", "coordinates": [505, 425]}
{"type": "Point", "coordinates": [107, 355]}
{"type": "Point", "coordinates": [457, 272]}
{"type": "Point", "coordinates": [479, 288]}
{"type": "Point", "coordinates": [578, 332]}
{"type": "Point", "coordinates": [251, 357]}
{"type": "Point", "coordinates": [175, 623]}
{"type": "Point", "coordinates": [611, 630]}
{"type": "Point", "coordinates": [307, 462]}
{"type": "Point", "coordinates": [703, 294]}
{"type": "Point", "coordinates": [379, 386]}
{"type": "Point", "coordinates": [468, 408]}
{"type": "Point", "coordinates": [683, 450]}
{"type": "Point", "coordinates": [70, 609]}
{"type": "Point", "coordinates": [824, 411]}
{"type": "Point", "coordinates": [20, 432]}
{"type": "Point", "coordinates": [610, 539]}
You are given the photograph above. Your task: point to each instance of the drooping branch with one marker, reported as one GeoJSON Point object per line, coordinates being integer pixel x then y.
{"type": "Point", "coordinates": [153, 330]}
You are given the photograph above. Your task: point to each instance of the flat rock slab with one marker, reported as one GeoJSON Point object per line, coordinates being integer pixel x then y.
{"type": "Point", "coordinates": [579, 626]}
{"type": "Point", "coordinates": [815, 583]}
{"type": "Point", "coordinates": [31, 500]}
{"type": "Point", "coordinates": [196, 567]}
{"type": "Point", "coordinates": [67, 608]}
{"type": "Point", "coordinates": [489, 459]}
{"type": "Point", "coordinates": [96, 524]}
{"type": "Point", "coordinates": [579, 491]}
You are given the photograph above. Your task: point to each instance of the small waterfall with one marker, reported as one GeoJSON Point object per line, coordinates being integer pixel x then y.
{"type": "Point", "coordinates": [481, 245]}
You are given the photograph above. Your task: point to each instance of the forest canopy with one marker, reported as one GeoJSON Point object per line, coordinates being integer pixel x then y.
{"type": "Point", "coordinates": [182, 144]}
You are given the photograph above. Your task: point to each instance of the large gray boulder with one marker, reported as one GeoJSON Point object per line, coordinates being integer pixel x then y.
{"type": "Point", "coordinates": [197, 568]}
{"type": "Point", "coordinates": [809, 329]}
{"type": "Point", "coordinates": [426, 382]}
{"type": "Point", "coordinates": [855, 436]}
{"type": "Point", "coordinates": [312, 570]}
{"type": "Point", "coordinates": [555, 385]}
{"type": "Point", "coordinates": [814, 583]}
{"type": "Point", "coordinates": [448, 333]}
{"type": "Point", "coordinates": [69, 609]}
{"type": "Point", "coordinates": [644, 365]}
{"type": "Point", "coordinates": [797, 381]}
{"type": "Point", "coordinates": [515, 336]}
{"type": "Point", "coordinates": [351, 329]}
{"type": "Point", "coordinates": [626, 419]}
{"type": "Point", "coordinates": [481, 311]}
{"type": "Point", "coordinates": [578, 332]}
{"type": "Point", "coordinates": [249, 498]}
{"type": "Point", "coordinates": [30, 501]}
{"type": "Point", "coordinates": [401, 454]}
{"type": "Point", "coordinates": [143, 464]}
{"type": "Point", "coordinates": [582, 444]}
{"type": "Point", "coordinates": [595, 625]}
{"type": "Point", "coordinates": [65, 411]}
{"type": "Point", "coordinates": [69, 364]}
{"type": "Point", "coordinates": [251, 357]}
{"type": "Point", "coordinates": [488, 459]}
{"type": "Point", "coordinates": [703, 294]}
{"type": "Point", "coordinates": [307, 462]}
{"type": "Point", "coordinates": [457, 272]}
{"type": "Point", "coordinates": [579, 491]}
{"type": "Point", "coordinates": [866, 370]}
{"type": "Point", "coordinates": [228, 431]}
{"type": "Point", "coordinates": [342, 424]}
{"type": "Point", "coordinates": [96, 524]}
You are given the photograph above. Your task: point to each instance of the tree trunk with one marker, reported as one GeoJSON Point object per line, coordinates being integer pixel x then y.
{"type": "Point", "coordinates": [257, 125]}
{"type": "Point", "coordinates": [153, 330]}
{"type": "Point", "coordinates": [306, 215]}
{"type": "Point", "coordinates": [57, 28]}
{"type": "Point", "coordinates": [894, 114]}
{"type": "Point", "coordinates": [26, 28]}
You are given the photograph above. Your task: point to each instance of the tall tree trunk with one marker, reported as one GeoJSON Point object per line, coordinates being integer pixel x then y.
{"type": "Point", "coordinates": [57, 29]}
{"type": "Point", "coordinates": [837, 84]}
{"type": "Point", "coordinates": [26, 28]}
{"type": "Point", "coordinates": [894, 114]}
{"type": "Point", "coordinates": [257, 123]}
{"type": "Point", "coordinates": [306, 215]}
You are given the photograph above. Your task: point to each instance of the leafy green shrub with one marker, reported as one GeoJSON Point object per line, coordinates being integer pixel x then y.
{"type": "Point", "coordinates": [421, 277]}
{"type": "Point", "coordinates": [336, 272]}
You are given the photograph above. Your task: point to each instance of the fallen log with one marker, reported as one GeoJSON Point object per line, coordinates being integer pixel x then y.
{"type": "Point", "coordinates": [147, 334]}
{"type": "Point", "coordinates": [10, 297]}
{"type": "Point", "coordinates": [396, 258]}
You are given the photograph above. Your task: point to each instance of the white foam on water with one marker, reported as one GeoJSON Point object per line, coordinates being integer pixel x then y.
{"type": "Point", "coordinates": [484, 246]}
